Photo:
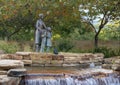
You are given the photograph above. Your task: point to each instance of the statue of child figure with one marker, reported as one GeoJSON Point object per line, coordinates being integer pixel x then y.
{"type": "Point", "coordinates": [48, 39]}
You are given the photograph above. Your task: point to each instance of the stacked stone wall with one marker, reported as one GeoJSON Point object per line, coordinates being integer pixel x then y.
{"type": "Point", "coordinates": [49, 59]}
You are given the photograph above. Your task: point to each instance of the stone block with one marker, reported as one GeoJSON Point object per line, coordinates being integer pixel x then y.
{"type": "Point", "coordinates": [3, 72]}
{"type": "Point", "coordinates": [41, 61]}
{"type": "Point", "coordinates": [116, 67]}
{"type": "Point", "coordinates": [107, 66]}
{"type": "Point", "coordinates": [6, 56]}
{"type": "Point", "coordinates": [117, 61]}
{"type": "Point", "coordinates": [99, 55]}
{"type": "Point", "coordinates": [11, 56]}
{"type": "Point", "coordinates": [27, 62]}
{"type": "Point", "coordinates": [108, 61]}
{"type": "Point", "coordinates": [23, 53]}
{"type": "Point", "coordinates": [17, 57]}
{"type": "Point", "coordinates": [16, 72]}
{"type": "Point", "coordinates": [57, 57]}
{"type": "Point", "coordinates": [5, 80]}
{"type": "Point", "coordinates": [40, 56]}
{"type": "Point", "coordinates": [56, 62]}
{"type": "Point", "coordinates": [10, 64]}
{"type": "Point", "coordinates": [85, 58]}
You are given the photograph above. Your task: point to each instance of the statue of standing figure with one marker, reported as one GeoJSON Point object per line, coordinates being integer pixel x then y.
{"type": "Point", "coordinates": [48, 39]}
{"type": "Point", "coordinates": [42, 35]}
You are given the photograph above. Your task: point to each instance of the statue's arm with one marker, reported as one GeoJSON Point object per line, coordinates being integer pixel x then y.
{"type": "Point", "coordinates": [44, 25]}
{"type": "Point", "coordinates": [37, 25]}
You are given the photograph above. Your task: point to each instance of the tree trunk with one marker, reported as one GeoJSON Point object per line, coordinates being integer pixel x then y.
{"type": "Point", "coordinates": [96, 41]}
{"type": "Point", "coordinates": [6, 38]}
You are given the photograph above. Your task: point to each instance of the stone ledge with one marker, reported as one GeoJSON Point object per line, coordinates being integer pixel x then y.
{"type": "Point", "coordinates": [35, 58]}
{"type": "Point", "coordinates": [10, 64]}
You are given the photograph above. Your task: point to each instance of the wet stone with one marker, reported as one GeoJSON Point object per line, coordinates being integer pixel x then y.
{"type": "Point", "coordinates": [16, 72]}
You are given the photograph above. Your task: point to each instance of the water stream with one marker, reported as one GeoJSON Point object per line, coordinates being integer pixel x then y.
{"type": "Point", "coordinates": [63, 79]}
{"type": "Point", "coordinates": [70, 76]}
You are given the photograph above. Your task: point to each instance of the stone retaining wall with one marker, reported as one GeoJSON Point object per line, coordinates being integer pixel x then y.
{"type": "Point", "coordinates": [112, 63]}
{"type": "Point", "coordinates": [62, 59]}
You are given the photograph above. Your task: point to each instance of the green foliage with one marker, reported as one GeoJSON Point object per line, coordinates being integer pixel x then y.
{"type": "Point", "coordinates": [74, 50]}
{"type": "Point", "coordinates": [100, 11]}
{"type": "Point", "coordinates": [12, 47]}
{"type": "Point", "coordinates": [9, 47]}
{"type": "Point", "coordinates": [111, 31]}
{"type": "Point", "coordinates": [17, 17]}
{"type": "Point", "coordinates": [86, 36]}
{"type": "Point", "coordinates": [64, 45]}
{"type": "Point", "coordinates": [108, 52]}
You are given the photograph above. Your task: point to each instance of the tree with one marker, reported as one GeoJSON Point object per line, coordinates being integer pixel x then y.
{"type": "Point", "coordinates": [62, 16]}
{"type": "Point", "coordinates": [101, 11]}
{"type": "Point", "coordinates": [14, 17]}
{"type": "Point", "coordinates": [111, 31]}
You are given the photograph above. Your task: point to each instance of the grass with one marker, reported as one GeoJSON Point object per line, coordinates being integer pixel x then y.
{"type": "Point", "coordinates": [109, 48]}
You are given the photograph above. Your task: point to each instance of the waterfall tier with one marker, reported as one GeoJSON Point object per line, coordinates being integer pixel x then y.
{"type": "Point", "coordinates": [63, 79]}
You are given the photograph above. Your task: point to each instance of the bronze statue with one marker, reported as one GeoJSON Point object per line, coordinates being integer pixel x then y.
{"type": "Point", "coordinates": [43, 36]}
{"type": "Point", "coordinates": [40, 29]}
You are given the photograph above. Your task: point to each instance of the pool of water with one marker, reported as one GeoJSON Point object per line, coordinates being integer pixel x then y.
{"type": "Point", "coordinates": [52, 69]}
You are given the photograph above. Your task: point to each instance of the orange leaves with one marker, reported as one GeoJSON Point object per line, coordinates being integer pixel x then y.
{"type": "Point", "coordinates": [15, 11]}
{"type": "Point", "coordinates": [5, 17]}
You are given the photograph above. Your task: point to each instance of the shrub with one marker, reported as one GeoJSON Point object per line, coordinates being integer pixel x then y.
{"type": "Point", "coordinates": [9, 47]}
{"type": "Point", "coordinates": [64, 45]}
{"type": "Point", "coordinates": [108, 52]}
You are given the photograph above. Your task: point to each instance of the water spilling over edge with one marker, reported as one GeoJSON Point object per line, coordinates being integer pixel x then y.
{"type": "Point", "coordinates": [89, 78]}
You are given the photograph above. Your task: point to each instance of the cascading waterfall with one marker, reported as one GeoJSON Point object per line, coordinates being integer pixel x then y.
{"type": "Point", "coordinates": [111, 79]}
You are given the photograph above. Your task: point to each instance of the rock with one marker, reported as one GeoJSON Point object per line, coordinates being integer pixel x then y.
{"type": "Point", "coordinates": [117, 61]}
{"type": "Point", "coordinates": [27, 62]}
{"type": "Point", "coordinates": [107, 66]}
{"type": "Point", "coordinates": [3, 72]}
{"type": "Point", "coordinates": [99, 55]}
{"type": "Point", "coordinates": [116, 67]}
{"type": "Point", "coordinates": [23, 53]}
{"type": "Point", "coordinates": [11, 56]}
{"type": "Point", "coordinates": [57, 57]}
{"type": "Point", "coordinates": [16, 72]}
{"type": "Point", "coordinates": [40, 56]}
{"type": "Point", "coordinates": [5, 56]}
{"type": "Point", "coordinates": [5, 80]}
{"type": "Point", "coordinates": [10, 64]}
{"type": "Point", "coordinates": [112, 63]}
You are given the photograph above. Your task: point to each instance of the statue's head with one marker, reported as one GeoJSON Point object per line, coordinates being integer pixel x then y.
{"type": "Point", "coordinates": [49, 28]}
{"type": "Point", "coordinates": [41, 16]}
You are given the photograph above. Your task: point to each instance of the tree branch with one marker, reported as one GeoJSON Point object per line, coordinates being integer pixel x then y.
{"type": "Point", "coordinates": [88, 22]}
{"type": "Point", "coordinates": [14, 32]}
